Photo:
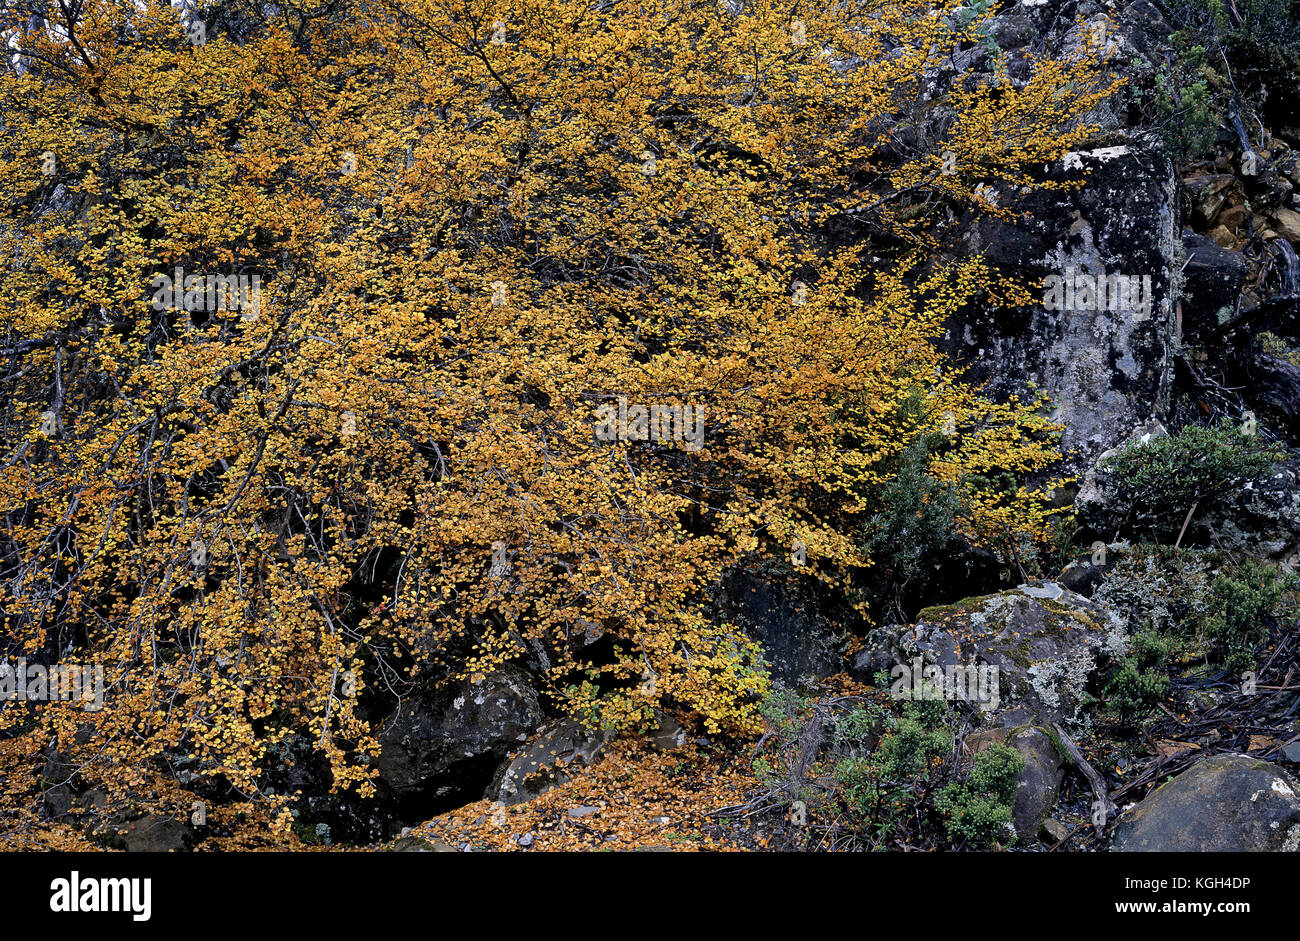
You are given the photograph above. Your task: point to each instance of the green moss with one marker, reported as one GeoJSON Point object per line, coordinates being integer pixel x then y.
{"type": "Point", "coordinates": [940, 612]}
{"type": "Point", "coordinates": [1081, 617]}
{"type": "Point", "coordinates": [1057, 743]}
{"type": "Point", "coordinates": [1019, 654]}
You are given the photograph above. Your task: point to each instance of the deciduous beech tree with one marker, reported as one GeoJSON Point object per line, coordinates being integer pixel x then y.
{"type": "Point", "coordinates": [472, 224]}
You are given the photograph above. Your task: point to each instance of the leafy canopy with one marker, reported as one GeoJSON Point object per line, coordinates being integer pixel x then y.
{"type": "Point", "coordinates": [473, 224]}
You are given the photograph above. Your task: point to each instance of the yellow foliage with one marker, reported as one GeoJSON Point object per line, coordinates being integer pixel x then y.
{"type": "Point", "coordinates": [473, 225]}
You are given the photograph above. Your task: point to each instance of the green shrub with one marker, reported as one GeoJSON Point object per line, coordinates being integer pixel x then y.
{"type": "Point", "coordinates": [1141, 681]}
{"type": "Point", "coordinates": [1181, 104]}
{"type": "Point", "coordinates": [1254, 22]}
{"type": "Point", "coordinates": [1242, 602]}
{"type": "Point", "coordinates": [858, 728]}
{"type": "Point", "coordinates": [969, 13]}
{"type": "Point", "coordinates": [868, 769]}
{"type": "Point", "coordinates": [874, 774]}
{"type": "Point", "coordinates": [978, 809]}
{"type": "Point", "coordinates": [912, 517]}
{"type": "Point", "coordinates": [1187, 607]}
{"type": "Point", "coordinates": [908, 751]}
{"type": "Point", "coordinates": [1155, 484]}
{"type": "Point", "coordinates": [880, 791]}
{"type": "Point", "coordinates": [1187, 96]}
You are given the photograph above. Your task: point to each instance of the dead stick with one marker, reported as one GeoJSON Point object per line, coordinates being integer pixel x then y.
{"type": "Point", "coordinates": [1169, 712]}
{"type": "Point", "coordinates": [1149, 775]}
{"type": "Point", "coordinates": [1182, 531]}
{"type": "Point", "coordinates": [1065, 839]}
{"type": "Point", "coordinates": [1278, 748]}
{"type": "Point", "coordinates": [1102, 799]}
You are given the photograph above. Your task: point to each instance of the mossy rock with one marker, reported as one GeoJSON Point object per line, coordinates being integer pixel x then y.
{"type": "Point", "coordinates": [1047, 643]}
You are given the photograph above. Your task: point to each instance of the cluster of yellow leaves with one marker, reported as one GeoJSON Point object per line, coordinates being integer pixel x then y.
{"type": "Point", "coordinates": [474, 223]}
{"type": "Point", "coordinates": [633, 798]}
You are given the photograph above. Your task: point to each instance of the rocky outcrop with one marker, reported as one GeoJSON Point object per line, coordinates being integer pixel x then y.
{"type": "Point", "coordinates": [799, 627]}
{"type": "Point", "coordinates": [114, 826]}
{"type": "Point", "coordinates": [1264, 519]}
{"type": "Point", "coordinates": [152, 833]}
{"type": "Point", "coordinates": [1212, 281]}
{"type": "Point", "coordinates": [1260, 518]}
{"type": "Point", "coordinates": [1092, 502]}
{"type": "Point", "coordinates": [130, 830]}
{"type": "Point", "coordinates": [417, 844]}
{"type": "Point", "coordinates": [562, 750]}
{"type": "Point", "coordinates": [449, 743]}
{"type": "Point", "coordinates": [1213, 198]}
{"type": "Point", "coordinates": [550, 759]}
{"type": "Point", "coordinates": [1047, 643]}
{"type": "Point", "coordinates": [1228, 803]}
{"type": "Point", "coordinates": [1105, 369]}
{"type": "Point", "coordinates": [1276, 392]}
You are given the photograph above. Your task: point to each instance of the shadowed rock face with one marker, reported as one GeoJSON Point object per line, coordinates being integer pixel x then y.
{"type": "Point", "coordinates": [1106, 370]}
{"type": "Point", "coordinates": [1212, 281]}
{"type": "Point", "coordinates": [1277, 391]}
{"type": "Point", "coordinates": [449, 746]}
{"type": "Point", "coordinates": [798, 626]}
{"type": "Point", "coordinates": [1228, 803]}
{"type": "Point", "coordinates": [561, 751]}
{"type": "Point", "coordinates": [550, 759]}
{"type": "Point", "coordinates": [153, 833]}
